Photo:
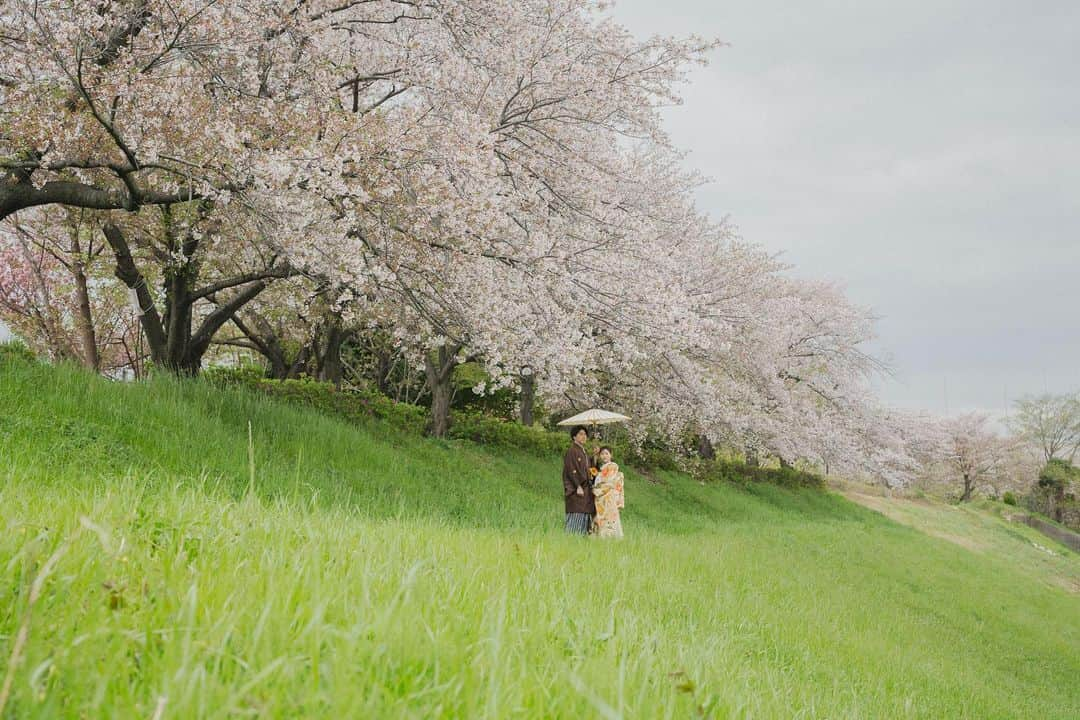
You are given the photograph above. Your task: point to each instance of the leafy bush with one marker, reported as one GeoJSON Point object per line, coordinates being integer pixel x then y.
{"type": "Point", "coordinates": [1058, 475]}
{"type": "Point", "coordinates": [15, 351]}
{"type": "Point", "coordinates": [722, 470]}
{"type": "Point", "coordinates": [501, 402]}
{"type": "Point", "coordinates": [486, 429]}
{"type": "Point", "coordinates": [1054, 493]}
{"type": "Point", "coordinates": [234, 375]}
{"type": "Point", "coordinates": [1008, 498]}
{"type": "Point", "coordinates": [352, 405]}
{"type": "Point", "coordinates": [651, 457]}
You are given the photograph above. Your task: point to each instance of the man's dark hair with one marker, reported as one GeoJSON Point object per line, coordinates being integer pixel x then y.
{"type": "Point", "coordinates": [576, 429]}
{"type": "Point", "coordinates": [605, 447]}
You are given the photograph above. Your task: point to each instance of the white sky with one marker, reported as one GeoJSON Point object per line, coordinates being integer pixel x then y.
{"type": "Point", "coordinates": [926, 154]}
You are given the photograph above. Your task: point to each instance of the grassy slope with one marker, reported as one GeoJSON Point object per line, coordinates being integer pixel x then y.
{"type": "Point", "coordinates": [982, 527]}
{"type": "Point", "coordinates": [378, 575]}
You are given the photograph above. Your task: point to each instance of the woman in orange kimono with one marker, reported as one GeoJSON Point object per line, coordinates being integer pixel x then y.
{"type": "Point", "coordinates": [608, 489]}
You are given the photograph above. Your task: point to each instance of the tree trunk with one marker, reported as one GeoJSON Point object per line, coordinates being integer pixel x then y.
{"type": "Point", "coordinates": [179, 355]}
{"type": "Point", "coordinates": [85, 320]}
{"type": "Point", "coordinates": [174, 345]}
{"type": "Point", "coordinates": [277, 368]}
{"type": "Point", "coordinates": [383, 366]}
{"type": "Point", "coordinates": [300, 364]}
{"type": "Point", "coordinates": [439, 369]}
{"type": "Point", "coordinates": [266, 341]}
{"type": "Point", "coordinates": [129, 274]}
{"type": "Point", "coordinates": [705, 448]}
{"type": "Point", "coordinates": [439, 425]}
{"type": "Point", "coordinates": [969, 487]}
{"type": "Point", "coordinates": [330, 368]}
{"type": "Point", "coordinates": [528, 398]}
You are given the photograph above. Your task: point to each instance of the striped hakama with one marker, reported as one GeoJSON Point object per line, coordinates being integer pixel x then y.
{"type": "Point", "coordinates": [578, 523]}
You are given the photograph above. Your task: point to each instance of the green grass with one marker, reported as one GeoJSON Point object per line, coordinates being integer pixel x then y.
{"type": "Point", "coordinates": [368, 574]}
{"type": "Point", "coordinates": [982, 527]}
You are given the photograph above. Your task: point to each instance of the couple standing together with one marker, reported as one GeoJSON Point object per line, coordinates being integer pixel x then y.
{"type": "Point", "coordinates": [593, 489]}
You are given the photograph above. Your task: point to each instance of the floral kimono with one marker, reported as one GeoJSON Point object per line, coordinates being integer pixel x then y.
{"type": "Point", "coordinates": [609, 498]}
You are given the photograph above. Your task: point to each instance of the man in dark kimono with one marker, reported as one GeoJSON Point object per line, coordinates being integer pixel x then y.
{"type": "Point", "coordinates": [577, 485]}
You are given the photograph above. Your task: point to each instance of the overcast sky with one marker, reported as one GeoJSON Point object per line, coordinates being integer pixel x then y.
{"type": "Point", "coordinates": [926, 154]}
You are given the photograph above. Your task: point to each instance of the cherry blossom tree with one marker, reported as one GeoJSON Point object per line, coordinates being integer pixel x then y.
{"type": "Point", "coordinates": [55, 293]}
{"type": "Point", "coordinates": [478, 179]}
{"type": "Point", "coordinates": [895, 449]}
{"type": "Point", "coordinates": [121, 105]}
{"type": "Point", "coordinates": [200, 109]}
{"type": "Point", "coordinates": [481, 231]}
{"type": "Point", "coordinates": [29, 280]}
{"type": "Point", "coordinates": [298, 327]}
{"type": "Point", "coordinates": [974, 451]}
{"type": "Point", "coordinates": [756, 359]}
{"type": "Point", "coordinates": [202, 284]}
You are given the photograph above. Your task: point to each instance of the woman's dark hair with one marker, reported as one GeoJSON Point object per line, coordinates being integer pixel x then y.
{"type": "Point", "coordinates": [578, 428]}
{"type": "Point", "coordinates": [605, 447]}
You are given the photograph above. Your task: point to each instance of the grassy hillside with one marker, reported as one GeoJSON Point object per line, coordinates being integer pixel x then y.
{"type": "Point", "coordinates": [355, 572]}
{"type": "Point", "coordinates": [982, 527]}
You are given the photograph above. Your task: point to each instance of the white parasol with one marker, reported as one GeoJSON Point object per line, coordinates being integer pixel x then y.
{"type": "Point", "coordinates": [593, 417]}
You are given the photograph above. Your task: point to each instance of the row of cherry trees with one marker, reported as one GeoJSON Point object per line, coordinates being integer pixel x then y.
{"type": "Point", "coordinates": [448, 180]}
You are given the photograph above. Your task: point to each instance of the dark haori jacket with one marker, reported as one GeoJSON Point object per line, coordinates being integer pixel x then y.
{"type": "Point", "coordinates": [576, 474]}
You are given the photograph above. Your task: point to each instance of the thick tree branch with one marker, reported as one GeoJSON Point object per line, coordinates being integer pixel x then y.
{"type": "Point", "coordinates": [224, 312]}
{"type": "Point", "coordinates": [256, 341]}
{"type": "Point", "coordinates": [129, 274]}
{"type": "Point", "coordinates": [17, 195]}
{"type": "Point", "coordinates": [240, 343]}
{"type": "Point", "coordinates": [123, 34]}
{"type": "Point", "coordinates": [279, 271]}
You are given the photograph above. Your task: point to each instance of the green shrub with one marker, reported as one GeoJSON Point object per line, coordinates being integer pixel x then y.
{"type": "Point", "coordinates": [353, 405]}
{"type": "Point", "coordinates": [500, 402]}
{"type": "Point", "coordinates": [1054, 496]}
{"type": "Point", "coordinates": [246, 374]}
{"type": "Point", "coordinates": [487, 429]}
{"type": "Point", "coordinates": [1057, 474]}
{"type": "Point", "coordinates": [15, 351]}
{"type": "Point", "coordinates": [1008, 498]}
{"type": "Point", "coordinates": [652, 457]}
{"type": "Point", "coordinates": [732, 471]}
